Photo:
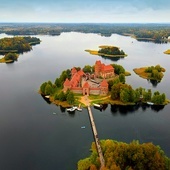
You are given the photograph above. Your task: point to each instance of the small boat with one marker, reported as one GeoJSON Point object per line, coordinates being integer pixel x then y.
{"type": "Point", "coordinates": [83, 127]}
{"type": "Point", "coordinates": [79, 109]}
{"type": "Point", "coordinates": [47, 97]}
{"type": "Point", "coordinates": [54, 113]}
{"type": "Point", "coordinates": [72, 109]}
{"type": "Point", "coordinates": [150, 103]}
{"type": "Point", "coordinates": [97, 105]}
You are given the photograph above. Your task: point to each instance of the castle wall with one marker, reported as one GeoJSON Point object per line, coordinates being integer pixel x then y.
{"type": "Point", "coordinates": [78, 90]}
{"type": "Point", "coordinates": [95, 91]}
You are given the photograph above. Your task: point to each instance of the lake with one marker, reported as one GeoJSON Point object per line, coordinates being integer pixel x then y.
{"type": "Point", "coordinates": [32, 137]}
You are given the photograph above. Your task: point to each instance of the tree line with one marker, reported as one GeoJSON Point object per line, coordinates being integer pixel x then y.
{"type": "Point", "coordinates": [17, 44]}
{"type": "Point", "coordinates": [157, 32]}
{"type": "Point", "coordinates": [111, 51]}
{"type": "Point", "coordinates": [126, 94]}
{"type": "Point", "coordinates": [123, 156]}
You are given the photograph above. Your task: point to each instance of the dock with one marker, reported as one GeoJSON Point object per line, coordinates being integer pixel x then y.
{"type": "Point", "coordinates": [97, 141]}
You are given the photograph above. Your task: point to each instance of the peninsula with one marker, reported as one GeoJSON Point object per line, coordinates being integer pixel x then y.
{"type": "Point", "coordinates": [167, 51]}
{"type": "Point", "coordinates": [108, 51]}
{"type": "Point", "coordinates": [101, 83]}
{"type": "Point", "coordinates": [12, 47]}
{"type": "Point", "coordinates": [121, 155]}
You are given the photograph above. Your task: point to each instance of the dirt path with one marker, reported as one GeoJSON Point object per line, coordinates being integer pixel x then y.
{"type": "Point", "coordinates": [86, 101]}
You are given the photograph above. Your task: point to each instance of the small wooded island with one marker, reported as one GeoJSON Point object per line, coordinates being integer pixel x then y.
{"type": "Point", "coordinates": [104, 84]}
{"type": "Point", "coordinates": [108, 51]}
{"type": "Point", "coordinates": [12, 47]}
{"type": "Point", "coordinates": [152, 72]}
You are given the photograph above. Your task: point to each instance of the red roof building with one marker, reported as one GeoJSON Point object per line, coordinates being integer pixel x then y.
{"type": "Point", "coordinates": [79, 85]}
{"type": "Point", "coordinates": [104, 71]}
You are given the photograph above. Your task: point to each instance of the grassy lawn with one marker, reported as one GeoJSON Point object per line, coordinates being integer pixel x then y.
{"type": "Point", "coordinates": [94, 52]}
{"type": "Point", "coordinates": [141, 72]}
{"type": "Point", "coordinates": [2, 60]}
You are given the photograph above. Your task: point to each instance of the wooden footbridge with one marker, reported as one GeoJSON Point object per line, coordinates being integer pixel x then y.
{"type": "Point", "coordinates": [102, 161]}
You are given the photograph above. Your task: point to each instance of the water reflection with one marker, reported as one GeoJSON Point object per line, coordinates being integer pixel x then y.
{"type": "Point", "coordinates": [115, 59]}
{"type": "Point", "coordinates": [62, 109]}
{"type": "Point", "coordinates": [46, 99]}
{"type": "Point", "coordinates": [157, 108]}
{"type": "Point", "coordinates": [124, 110]}
{"type": "Point", "coordinates": [154, 82]}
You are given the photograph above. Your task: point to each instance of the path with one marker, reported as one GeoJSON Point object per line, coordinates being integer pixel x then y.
{"type": "Point", "coordinates": [97, 141]}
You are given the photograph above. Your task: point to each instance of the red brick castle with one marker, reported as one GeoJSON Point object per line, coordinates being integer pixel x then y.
{"type": "Point", "coordinates": [79, 83]}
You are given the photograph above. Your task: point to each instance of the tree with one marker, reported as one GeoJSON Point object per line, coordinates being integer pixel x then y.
{"type": "Point", "coordinates": [163, 97]}
{"type": "Point", "coordinates": [62, 96]}
{"type": "Point", "coordinates": [63, 76]}
{"type": "Point", "coordinates": [115, 92]}
{"type": "Point", "coordinates": [87, 69]}
{"type": "Point", "coordinates": [58, 82]}
{"type": "Point", "coordinates": [42, 87]}
{"type": "Point", "coordinates": [48, 89]}
{"type": "Point", "coordinates": [118, 69]}
{"type": "Point", "coordinates": [70, 98]}
{"type": "Point", "coordinates": [133, 156]}
{"type": "Point", "coordinates": [124, 95]}
{"type": "Point", "coordinates": [122, 78]}
{"type": "Point", "coordinates": [56, 96]}
{"type": "Point", "coordinates": [11, 56]}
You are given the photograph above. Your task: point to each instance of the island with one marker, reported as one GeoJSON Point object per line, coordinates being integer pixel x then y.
{"type": "Point", "coordinates": [12, 47]}
{"type": "Point", "coordinates": [108, 51]}
{"type": "Point", "coordinates": [167, 51]}
{"type": "Point", "coordinates": [121, 155]}
{"type": "Point", "coordinates": [101, 83]}
{"type": "Point", "coordinates": [151, 73]}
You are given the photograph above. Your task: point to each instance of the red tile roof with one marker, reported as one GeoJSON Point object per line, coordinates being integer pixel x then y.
{"type": "Point", "coordinates": [86, 85]}
{"type": "Point", "coordinates": [80, 72]}
{"type": "Point", "coordinates": [67, 82]}
{"type": "Point", "coordinates": [107, 68]}
{"type": "Point", "coordinates": [104, 83]}
{"type": "Point", "coordinates": [73, 70]}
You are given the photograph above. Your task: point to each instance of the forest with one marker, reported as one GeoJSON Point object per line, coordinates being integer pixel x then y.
{"type": "Point", "coordinates": [123, 156]}
{"type": "Point", "coordinates": [17, 44]}
{"type": "Point", "coordinates": [158, 33]}
{"type": "Point", "coordinates": [111, 51]}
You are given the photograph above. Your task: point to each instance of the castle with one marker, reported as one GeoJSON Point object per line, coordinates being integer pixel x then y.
{"type": "Point", "coordinates": [79, 83]}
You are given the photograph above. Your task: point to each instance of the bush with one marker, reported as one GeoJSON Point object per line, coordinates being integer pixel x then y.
{"type": "Point", "coordinates": [11, 56]}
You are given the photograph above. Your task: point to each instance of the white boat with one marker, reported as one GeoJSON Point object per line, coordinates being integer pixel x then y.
{"type": "Point", "coordinates": [79, 109]}
{"type": "Point", "coordinates": [150, 103]}
{"type": "Point", "coordinates": [54, 113]}
{"type": "Point", "coordinates": [83, 127]}
{"type": "Point", "coordinates": [47, 97]}
{"type": "Point", "coordinates": [97, 105]}
{"type": "Point", "coordinates": [72, 109]}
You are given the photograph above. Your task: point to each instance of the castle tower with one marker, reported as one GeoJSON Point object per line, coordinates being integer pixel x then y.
{"type": "Point", "coordinates": [104, 88]}
{"type": "Point", "coordinates": [97, 68]}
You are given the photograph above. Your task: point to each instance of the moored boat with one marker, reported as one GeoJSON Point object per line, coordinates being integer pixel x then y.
{"type": "Point", "coordinates": [97, 105]}
{"type": "Point", "coordinates": [150, 103]}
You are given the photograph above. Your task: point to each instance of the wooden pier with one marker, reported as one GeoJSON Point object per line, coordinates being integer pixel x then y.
{"type": "Point", "coordinates": [97, 141]}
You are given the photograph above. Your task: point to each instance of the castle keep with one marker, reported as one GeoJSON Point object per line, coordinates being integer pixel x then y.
{"type": "Point", "coordinates": [82, 83]}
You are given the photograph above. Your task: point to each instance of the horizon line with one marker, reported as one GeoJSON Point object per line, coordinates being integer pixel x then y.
{"type": "Point", "coordinates": [34, 22]}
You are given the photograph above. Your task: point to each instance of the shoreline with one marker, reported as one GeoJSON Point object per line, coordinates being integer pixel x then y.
{"type": "Point", "coordinates": [84, 101]}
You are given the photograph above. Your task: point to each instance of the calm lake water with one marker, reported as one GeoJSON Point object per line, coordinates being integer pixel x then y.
{"type": "Point", "coordinates": [32, 137]}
